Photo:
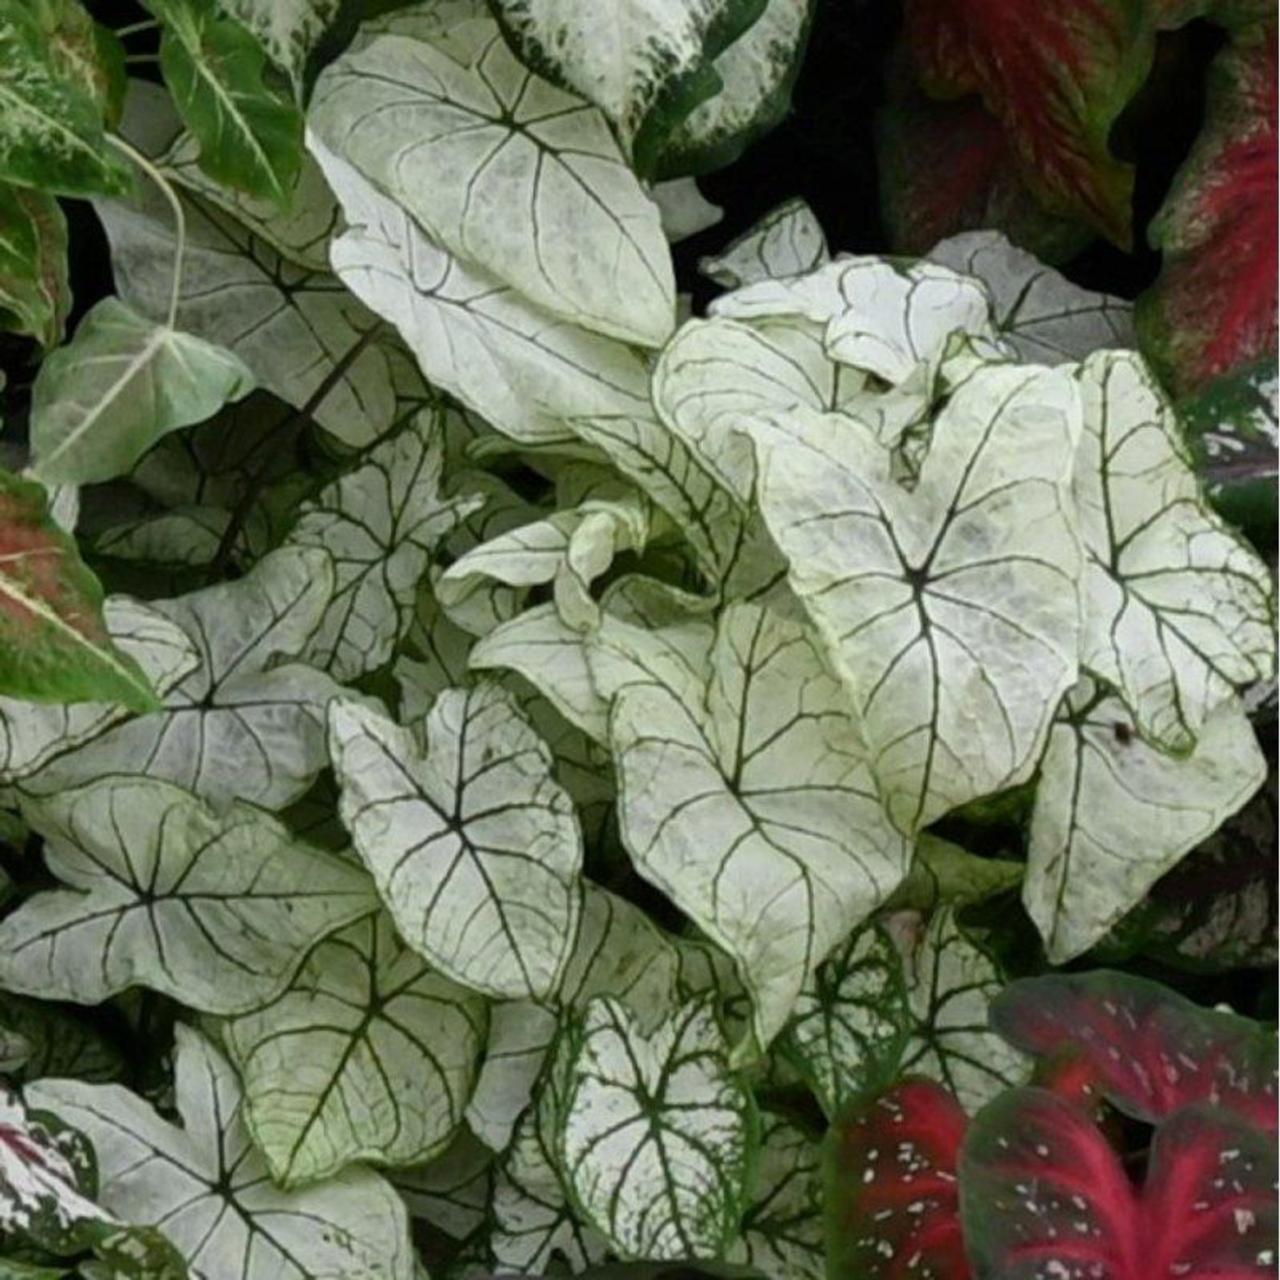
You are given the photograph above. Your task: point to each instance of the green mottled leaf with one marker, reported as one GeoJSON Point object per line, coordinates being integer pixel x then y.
{"type": "Point", "coordinates": [288, 30]}
{"type": "Point", "coordinates": [57, 1042]}
{"type": "Point", "coordinates": [34, 292]}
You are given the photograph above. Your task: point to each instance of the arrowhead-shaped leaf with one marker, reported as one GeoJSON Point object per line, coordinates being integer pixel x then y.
{"type": "Point", "coordinates": [366, 1056]}
{"type": "Point", "coordinates": [210, 1191]}
{"type": "Point", "coordinates": [656, 1134]}
{"type": "Point", "coordinates": [1099, 784]}
{"type": "Point", "coordinates": [216, 911]}
{"type": "Point", "coordinates": [54, 644]}
{"type": "Point", "coordinates": [1179, 612]}
{"type": "Point", "coordinates": [590, 250]}
{"type": "Point", "coordinates": [474, 846]}
{"type": "Point", "coordinates": [100, 402]}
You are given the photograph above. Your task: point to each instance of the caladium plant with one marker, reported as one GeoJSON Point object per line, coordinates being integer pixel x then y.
{"type": "Point", "coordinates": [497, 755]}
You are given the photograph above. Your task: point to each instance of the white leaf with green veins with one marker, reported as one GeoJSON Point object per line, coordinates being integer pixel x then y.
{"type": "Point", "coordinates": [102, 400]}
{"type": "Point", "coordinates": [34, 733]}
{"type": "Point", "coordinates": [380, 523]}
{"type": "Point", "coordinates": [782, 1229]}
{"type": "Point", "coordinates": [1113, 814]}
{"type": "Point", "coordinates": [750, 805]}
{"type": "Point", "coordinates": [520, 1036]}
{"type": "Point", "coordinates": [951, 611]}
{"type": "Point", "coordinates": [1042, 315]}
{"type": "Point", "coordinates": [1179, 612]}
{"type": "Point", "coordinates": [521, 370]}
{"type": "Point", "coordinates": [287, 29]}
{"type": "Point", "coordinates": [757, 70]}
{"type": "Point", "coordinates": [474, 846]}
{"type": "Point", "coordinates": [951, 982]}
{"type": "Point", "coordinates": [852, 1020]}
{"type": "Point", "coordinates": [210, 1192]}
{"type": "Point", "coordinates": [367, 1056]}
{"type": "Point", "coordinates": [215, 911]}
{"type": "Point", "coordinates": [656, 1132]}
{"type": "Point", "coordinates": [787, 241]}
{"type": "Point", "coordinates": [451, 1192]}
{"type": "Point", "coordinates": [247, 723]}
{"type": "Point", "coordinates": [588, 247]}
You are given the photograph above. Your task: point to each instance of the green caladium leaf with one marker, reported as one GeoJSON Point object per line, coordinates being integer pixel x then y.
{"type": "Point", "coordinates": [244, 701]}
{"type": "Point", "coordinates": [132, 1253]}
{"type": "Point", "coordinates": [474, 846]}
{"type": "Point", "coordinates": [656, 1120]}
{"type": "Point", "coordinates": [289, 31]}
{"type": "Point", "coordinates": [757, 70]}
{"type": "Point", "coordinates": [782, 1229]}
{"type": "Point", "coordinates": [852, 1021]}
{"type": "Point", "coordinates": [709, 786]}
{"type": "Point", "coordinates": [1043, 316]}
{"type": "Point", "coordinates": [52, 136]}
{"type": "Point", "coordinates": [210, 1192]}
{"type": "Point", "coordinates": [397, 106]}
{"type": "Point", "coordinates": [787, 241]}
{"type": "Point", "coordinates": [951, 982]}
{"type": "Point", "coordinates": [250, 136]}
{"type": "Point", "coordinates": [380, 522]}
{"type": "Point", "coordinates": [521, 370]}
{"type": "Point", "coordinates": [100, 402]}
{"type": "Point", "coordinates": [953, 622]}
{"type": "Point", "coordinates": [1099, 783]}
{"type": "Point", "coordinates": [945, 872]}
{"type": "Point", "coordinates": [54, 644]}
{"type": "Point", "coordinates": [33, 734]}
{"type": "Point", "coordinates": [34, 293]}
{"type": "Point", "coordinates": [366, 1056]}
{"type": "Point", "coordinates": [57, 1043]}
{"type": "Point", "coordinates": [217, 911]}
{"type": "Point", "coordinates": [1178, 611]}
{"type": "Point", "coordinates": [85, 52]}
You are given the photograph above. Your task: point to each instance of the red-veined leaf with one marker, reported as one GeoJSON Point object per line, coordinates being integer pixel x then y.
{"type": "Point", "coordinates": [1043, 1196]}
{"type": "Point", "coordinates": [1153, 1050]}
{"type": "Point", "coordinates": [1213, 308]}
{"type": "Point", "coordinates": [54, 645]}
{"type": "Point", "coordinates": [892, 1205]}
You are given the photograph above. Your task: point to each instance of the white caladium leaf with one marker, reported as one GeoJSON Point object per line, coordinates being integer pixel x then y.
{"type": "Point", "coordinates": [521, 370]}
{"type": "Point", "coordinates": [684, 210]}
{"type": "Point", "coordinates": [951, 611]}
{"type": "Point", "coordinates": [656, 1132]}
{"type": "Point", "coordinates": [187, 536]}
{"type": "Point", "coordinates": [210, 1192]}
{"type": "Point", "coordinates": [951, 982]}
{"type": "Point", "coordinates": [591, 250]}
{"type": "Point", "coordinates": [852, 1020]}
{"type": "Point", "coordinates": [56, 1042]}
{"type": "Point", "coordinates": [782, 1229]}
{"type": "Point", "coordinates": [711, 790]}
{"type": "Point", "coordinates": [379, 522]}
{"type": "Point", "coordinates": [1039, 312]}
{"type": "Point", "coordinates": [245, 702]}
{"type": "Point", "coordinates": [102, 400]}
{"type": "Point", "coordinates": [474, 846]}
{"type": "Point", "coordinates": [757, 70]}
{"type": "Point", "coordinates": [787, 241]}
{"type": "Point", "coordinates": [1113, 814]}
{"type": "Point", "coordinates": [214, 910]}
{"type": "Point", "coordinates": [32, 734]}
{"type": "Point", "coordinates": [520, 1036]}
{"type": "Point", "coordinates": [366, 1056]}
{"type": "Point", "coordinates": [287, 29]}
{"type": "Point", "coordinates": [451, 1192]}
{"type": "Point", "coordinates": [1179, 612]}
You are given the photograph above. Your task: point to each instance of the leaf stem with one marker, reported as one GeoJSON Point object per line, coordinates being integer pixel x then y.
{"type": "Point", "coordinates": [285, 432]}
{"type": "Point", "coordinates": [179, 217]}
{"type": "Point", "coordinates": [134, 28]}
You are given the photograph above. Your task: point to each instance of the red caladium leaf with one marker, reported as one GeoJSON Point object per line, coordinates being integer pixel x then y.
{"type": "Point", "coordinates": [1056, 73]}
{"type": "Point", "coordinates": [892, 1204]}
{"type": "Point", "coordinates": [1213, 309]}
{"type": "Point", "coordinates": [1152, 1050]}
{"type": "Point", "coordinates": [1042, 1195]}
{"type": "Point", "coordinates": [54, 644]}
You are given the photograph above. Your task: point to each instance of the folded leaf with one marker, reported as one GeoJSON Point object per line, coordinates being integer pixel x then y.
{"type": "Point", "coordinates": [474, 846]}
{"type": "Point", "coordinates": [209, 1190]}
{"type": "Point", "coordinates": [215, 911]}
{"type": "Point", "coordinates": [1213, 308]}
{"type": "Point", "coordinates": [100, 402]}
{"type": "Point", "coordinates": [54, 645]}
{"type": "Point", "coordinates": [34, 293]}
{"type": "Point", "coordinates": [787, 241]}
{"type": "Point", "coordinates": [1152, 1050]}
{"type": "Point", "coordinates": [1041, 1192]}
